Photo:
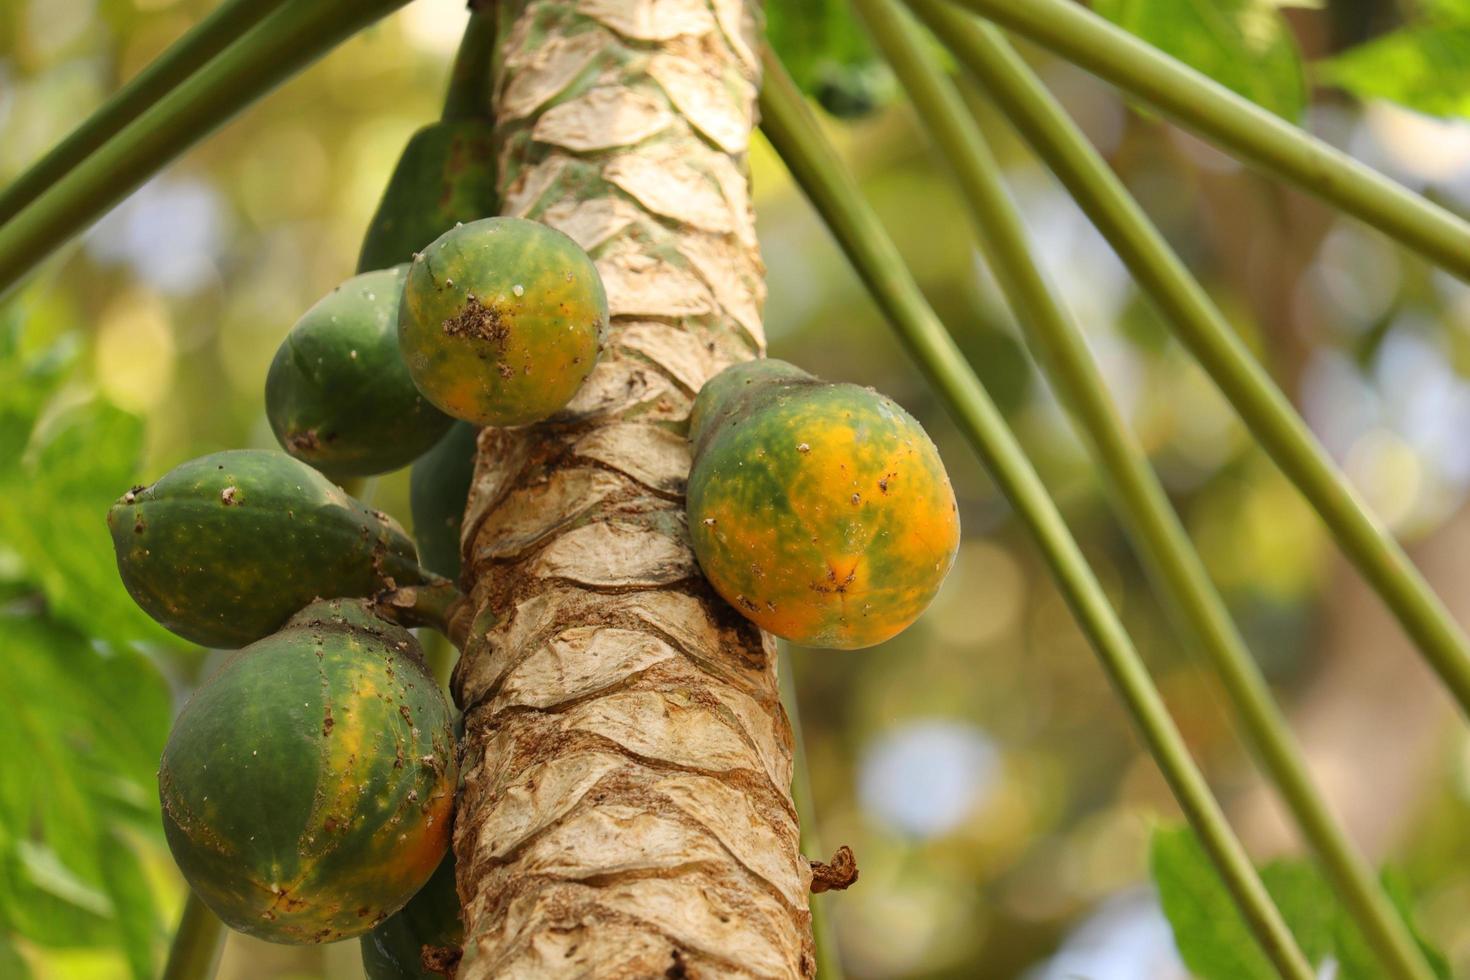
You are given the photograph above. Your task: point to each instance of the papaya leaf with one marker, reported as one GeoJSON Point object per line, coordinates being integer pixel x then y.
{"type": "Point", "coordinates": [1245, 45]}
{"type": "Point", "coordinates": [136, 913]}
{"type": "Point", "coordinates": [75, 463]}
{"type": "Point", "coordinates": [12, 964]}
{"type": "Point", "coordinates": [27, 383]}
{"type": "Point", "coordinates": [1354, 953]}
{"type": "Point", "coordinates": [1425, 67]}
{"type": "Point", "coordinates": [824, 46]}
{"type": "Point", "coordinates": [89, 723]}
{"type": "Point", "coordinates": [1214, 940]}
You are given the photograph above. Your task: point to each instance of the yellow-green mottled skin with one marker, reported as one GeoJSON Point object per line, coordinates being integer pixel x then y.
{"type": "Point", "coordinates": [502, 320]}
{"type": "Point", "coordinates": [820, 511]}
{"type": "Point", "coordinates": [308, 785]}
{"type": "Point", "coordinates": [223, 549]}
{"type": "Point", "coordinates": [338, 395]}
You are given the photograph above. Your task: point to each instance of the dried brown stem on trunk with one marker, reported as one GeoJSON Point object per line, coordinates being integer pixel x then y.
{"type": "Point", "coordinates": [836, 875]}
{"type": "Point", "coordinates": [626, 809]}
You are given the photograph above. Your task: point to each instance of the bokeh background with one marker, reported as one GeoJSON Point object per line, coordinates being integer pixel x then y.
{"type": "Point", "coordinates": [990, 784]}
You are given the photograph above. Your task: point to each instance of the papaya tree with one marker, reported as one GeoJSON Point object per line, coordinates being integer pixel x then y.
{"type": "Point", "coordinates": [620, 504]}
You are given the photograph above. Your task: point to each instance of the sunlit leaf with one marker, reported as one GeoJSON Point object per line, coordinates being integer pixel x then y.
{"type": "Point", "coordinates": [1213, 938]}
{"type": "Point", "coordinates": [1425, 67]}
{"type": "Point", "coordinates": [1211, 935]}
{"type": "Point", "coordinates": [1245, 45]}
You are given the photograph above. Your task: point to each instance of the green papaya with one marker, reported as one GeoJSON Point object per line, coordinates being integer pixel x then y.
{"type": "Point", "coordinates": [445, 176]}
{"type": "Point", "coordinates": [438, 486]}
{"type": "Point", "coordinates": [502, 320]}
{"type": "Point", "coordinates": [338, 395]}
{"type": "Point", "coordinates": [308, 785]}
{"type": "Point", "coordinates": [822, 512]}
{"type": "Point", "coordinates": [225, 548]}
{"type": "Point", "coordinates": [394, 950]}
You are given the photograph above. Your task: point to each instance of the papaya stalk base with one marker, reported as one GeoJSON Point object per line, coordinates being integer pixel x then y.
{"type": "Point", "coordinates": [438, 605]}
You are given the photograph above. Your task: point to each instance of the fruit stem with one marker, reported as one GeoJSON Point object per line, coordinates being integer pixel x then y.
{"type": "Point", "coordinates": [437, 604]}
{"type": "Point", "coordinates": [1203, 329]}
{"type": "Point", "coordinates": [272, 51]}
{"type": "Point", "coordinates": [197, 944]}
{"type": "Point", "coordinates": [829, 959]}
{"type": "Point", "coordinates": [468, 96]}
{"type": "Point", "coordinates": [202, 42]}
{"type": "Point", "coordinates": [1216, 113]}
{"type": "Point", "coordinates": [814, 164]}
{"type": "Point", "coordinates": [1162, 542]}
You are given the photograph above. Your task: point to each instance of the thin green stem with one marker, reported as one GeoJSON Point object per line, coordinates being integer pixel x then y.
{"type": "Point", "coordinates": [203, 41]}
{"type": "Point", "coordinates": [273, 51]}
{"type": "Point", "coordinates": [794, 133]}
{"type": "Point", "coordinates": [1218, 114]}
{"type": "Point", "coordinates": [1162, 542]}
{"type": "Point", "coordinates": [197, 944]}
{"type": "Point", "coordinates": [829, 960]}
{"type": "Point", "coordinates": [468, 96]}
{"type": "Point", "coordinates": [1202, 329]}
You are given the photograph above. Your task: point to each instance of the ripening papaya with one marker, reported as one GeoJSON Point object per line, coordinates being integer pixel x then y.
{"type": "Point", "coordinates": [394, 950]}
{"type": "Point", "coordinates": [223, 549]}
{"type": "Point", "coordinates": [445, 176]}
{"type": "Point", "coordinates": [502, 320]}
{"type": "Point", "coordinates": [307, 786]}
{"type": "Point", "coordinates": [338, 395]}
{"type": "Point", "coordinates": [820, 511]}
{"type": "Point", "coordinates": [438, 487]}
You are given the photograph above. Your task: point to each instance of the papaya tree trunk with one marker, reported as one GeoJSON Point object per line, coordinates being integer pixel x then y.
{"type": "Point", "coordinates": [626, 809]}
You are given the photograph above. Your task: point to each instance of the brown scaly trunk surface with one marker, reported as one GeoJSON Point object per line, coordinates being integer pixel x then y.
{"type": "Point", "coordinates": [626, 809]}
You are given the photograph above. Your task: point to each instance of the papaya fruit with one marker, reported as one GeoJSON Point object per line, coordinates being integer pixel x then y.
{"type": "Point", "coordinates": [223, 549]}
{"type": "Point", "coordinates": [445, 176]}
{"type": "Point", "coordinates": [502, 320]}
{"type": "Point", "coordinates": [308, 785]}
{"type": "Point", "coordinates": [394, 950]}
{"type": "Point", "coordinates": [820, 511]}
{"type": "Point", "coordinates": [338, 395]}
{"type": "Point", "coordinates": [438, 487]}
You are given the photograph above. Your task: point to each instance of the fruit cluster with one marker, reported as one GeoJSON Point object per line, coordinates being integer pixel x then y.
{"type": "Point", "coordinates": [308, 785]}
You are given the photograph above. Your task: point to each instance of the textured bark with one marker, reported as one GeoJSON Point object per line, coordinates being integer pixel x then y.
{"type": "Point", "coordinates": [626, 809]}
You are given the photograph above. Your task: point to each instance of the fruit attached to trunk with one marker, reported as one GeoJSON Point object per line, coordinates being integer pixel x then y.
{"type": "Point", "coordinates": [338, 395]}
{"type": "Point", "coordinates": [502, 320]}
{"type": "Point", "coordinates": [821, 511]}
{"type": "Point", "coordinates": [223, 549]}
{"type": "Point", "coordinates": [307, 786]}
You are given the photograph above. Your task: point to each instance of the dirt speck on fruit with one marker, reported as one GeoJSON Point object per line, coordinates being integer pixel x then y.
{"type": "Point", "coordinates": [479, 321]}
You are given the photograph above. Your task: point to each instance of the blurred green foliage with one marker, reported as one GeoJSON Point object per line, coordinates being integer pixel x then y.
{"type": "Point", "coordinates": [992, 789]}
{"type": "Point", "coordinates": [1213, 938]}
{"type": "Point", "coordinates": [1245, 45]}
{"type": "Point", "coordinates": [1424, 65]}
